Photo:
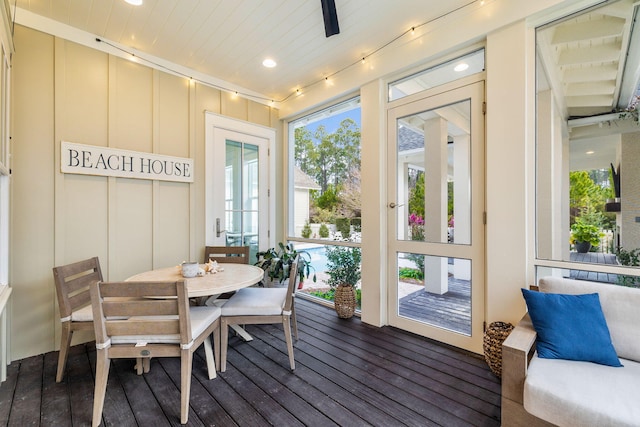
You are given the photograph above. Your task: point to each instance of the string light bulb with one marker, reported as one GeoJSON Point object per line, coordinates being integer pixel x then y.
{"type": "Point", "coordinates": [413, 30]}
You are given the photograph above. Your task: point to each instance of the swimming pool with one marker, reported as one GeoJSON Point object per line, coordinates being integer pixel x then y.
{"type": "Point", "coordinates": [318, 256]}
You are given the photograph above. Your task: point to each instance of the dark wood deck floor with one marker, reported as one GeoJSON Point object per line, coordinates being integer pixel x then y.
{"type": "Point", "coordinates": [451, 310]}
{"type": "Point", "coordinates": [593, 258]}
{"type": "Point", "coordinates": [347, 374]}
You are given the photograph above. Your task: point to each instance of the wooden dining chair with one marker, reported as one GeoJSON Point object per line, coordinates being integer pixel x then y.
{"type": "Point", "coordinates": [227, 254]}
{"type": "Point", "coordinates": [254, 306]}
{"type": "Point", "coordinates": [74, 302]}
{"type": "Point", "coordinates": [150, 319]}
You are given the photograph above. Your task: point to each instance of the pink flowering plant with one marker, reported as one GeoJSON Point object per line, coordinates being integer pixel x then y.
{"type": "Point", "coordinates": [416, 226]}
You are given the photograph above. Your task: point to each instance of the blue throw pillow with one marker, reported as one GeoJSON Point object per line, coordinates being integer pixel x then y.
{"type": "Point", "coordinates": [571, 327]}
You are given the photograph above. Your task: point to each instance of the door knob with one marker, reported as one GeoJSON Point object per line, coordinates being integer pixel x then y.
{"type": "Point", "coordinates": [218, 231]}
{"type": "Point", "coordinates": [393, 205]}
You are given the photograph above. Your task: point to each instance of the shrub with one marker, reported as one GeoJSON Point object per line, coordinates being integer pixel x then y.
{"type": "Point", "coordinates": [343, 265]}
{"type": "Point", "coordinates": [306, 230]}
{"type": "Point", "coordinates": [329, 295]}
{"type": "Point", "coordinates": [628, 258]}
{"type": "Point", "coordinates": [343, 225]}
{"type": "Point", "coordinates": [323, 231]}
{"type": "Point", "coordinates": [410, 273]}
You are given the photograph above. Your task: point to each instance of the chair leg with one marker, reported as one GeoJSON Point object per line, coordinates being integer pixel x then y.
{"type": "Point", "coordinates": [186, 362]}
{"type": "Point", "coordinates": [286, 324]}
{"type": "Point", "coordinates": [216, 346]}
{"type": "Point", "coordinates": [224, 341]}
{"type": "Point", "coordinates": [65, 343]}
{"type": "Point", "coordinates": [211, 362]}
{"type": "Point", "coordinates": [102, 374]}
{"type": "Point", "coordinates": [294, 320]}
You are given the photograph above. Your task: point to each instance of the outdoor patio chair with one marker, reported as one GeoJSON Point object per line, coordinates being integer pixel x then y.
{"type": "Point", "coordinates": [72, 288]}
{"type": "Point", "coordinates": [145, 320]}
{"type": "Point", "coordinates": [253, 306]}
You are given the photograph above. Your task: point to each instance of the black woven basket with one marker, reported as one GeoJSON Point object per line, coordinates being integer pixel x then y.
{"type": "Point", "coordinates": [494, 336]}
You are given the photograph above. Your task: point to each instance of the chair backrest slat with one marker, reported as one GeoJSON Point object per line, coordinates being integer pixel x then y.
{"type": "Point", "coordinates": [138, 289]}
{"type": "Point", "coordinates": [72, 284]}
{"type": "Point", "coordinates": [227, 254]}
{"type": "Point", "coordinates": [80, 300]}
{"type": "Point", "coordinates": [146, 328]}
{"type": "Point", "coordinates": [141, 308]}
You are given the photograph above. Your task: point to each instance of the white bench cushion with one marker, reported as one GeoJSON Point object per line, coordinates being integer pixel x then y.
{"type": "Point", "coordinates": [84, 314]}
{"type": "Point", "coordinates": [255, 302]}
{"type": "Point", "coordinates": [570, 393]}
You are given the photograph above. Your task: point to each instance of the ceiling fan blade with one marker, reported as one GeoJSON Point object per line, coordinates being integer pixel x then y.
{"type": "Point", "coordinates": [330, 17]}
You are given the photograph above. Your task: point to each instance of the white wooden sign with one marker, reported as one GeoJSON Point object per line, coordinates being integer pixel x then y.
{"type": "Point", "coordinates": [92, 160]}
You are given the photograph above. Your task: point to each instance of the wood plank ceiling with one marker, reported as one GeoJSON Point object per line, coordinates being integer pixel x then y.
{"type": "Point", "coordinates": [229, 40]}
{"type": "Point", "coordinates": [586, 60]}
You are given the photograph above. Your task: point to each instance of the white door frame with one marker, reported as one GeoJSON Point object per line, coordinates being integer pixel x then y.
{"type": "Point", "coordinates": [216, 128]}
{"type": "Point", "coordinates": [474, 251]}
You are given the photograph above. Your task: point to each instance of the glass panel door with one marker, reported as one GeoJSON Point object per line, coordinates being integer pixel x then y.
{"type": "Point", "coordinates": [238, 210]}
{"type": "Point", "coordinates": [242, 189]}
{"type": "Point", "coordinates": [436, 207]}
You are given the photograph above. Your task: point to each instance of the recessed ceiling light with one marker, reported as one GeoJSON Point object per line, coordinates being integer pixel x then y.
{"type": "Point", "coordinates": [590, 152]}
{"type": "Point", "coordinates": [134, 2]}
{"type": "Point", "coordinates": [269, 63]}
{"type": "Point", "coordinates": [461, 67]}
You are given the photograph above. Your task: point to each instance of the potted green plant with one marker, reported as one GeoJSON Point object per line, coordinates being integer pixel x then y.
{"type": "Point", "coordinates": [343, 268]}
{"type": "Point", "coordinates": [276, 263]}
{"type": "Point", "coordinates": [584, 236]}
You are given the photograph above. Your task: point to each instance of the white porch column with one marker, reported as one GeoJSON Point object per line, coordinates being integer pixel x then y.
{"type": "Point", "coordinates": [435, 209]}
{"type": "Point", "coordinates": [462, 201]}
{"type": "Point", "coordinates": [403, 200]}
{"type": "Point", "coordinates": [553, 173]}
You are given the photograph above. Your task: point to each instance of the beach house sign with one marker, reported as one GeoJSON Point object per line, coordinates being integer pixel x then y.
{"type": "Point", "coordinates": [92, 160]}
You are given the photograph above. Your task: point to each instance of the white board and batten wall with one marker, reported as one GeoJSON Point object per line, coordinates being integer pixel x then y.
{"type": "Point", "coordinates": [63, 91]}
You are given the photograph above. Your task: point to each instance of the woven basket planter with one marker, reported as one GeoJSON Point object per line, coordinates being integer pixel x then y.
{"type": "Point", "coordinates": [345, 301]}
{"type": "Point", "coordinates": [494, 336]}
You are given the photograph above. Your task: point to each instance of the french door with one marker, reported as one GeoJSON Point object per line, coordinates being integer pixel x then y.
{"type": "Point", "coordinates": [238, 179]}
{"type": "Point", "coordinates": [436, 216]}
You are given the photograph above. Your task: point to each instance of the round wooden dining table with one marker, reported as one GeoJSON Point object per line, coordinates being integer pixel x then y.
{"type": "Point", "coordinates": [231, 278]}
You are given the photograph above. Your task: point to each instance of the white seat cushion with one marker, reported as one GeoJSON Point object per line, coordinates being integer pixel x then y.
{"type": "Point", "coordinates": [255, 302]}
{"type": "Point", "coordinates": [84, 314]}
{"type": "Point", "coordinates": [201, 318]}
{"type": "Point", "coordinates": [570, 393]}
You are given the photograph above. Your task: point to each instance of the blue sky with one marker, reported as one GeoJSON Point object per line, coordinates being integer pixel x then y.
{"type": "Point", "coordinates": [332, 123]}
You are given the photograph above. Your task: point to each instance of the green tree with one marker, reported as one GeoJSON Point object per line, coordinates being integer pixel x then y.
{"type": "Point", "coordinates": [328, 200]}
{"type": "Point", "coordinates": [588, 192]}
{"type": "Point", "coordinates": [304, 150]}
{"type": "Point", "coordinates": [328, 157]}
{"type": "Point", "coordinates": [416, 196]}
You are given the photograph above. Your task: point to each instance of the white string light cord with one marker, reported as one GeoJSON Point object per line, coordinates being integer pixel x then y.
{"type": "Point", "coordinates": [301, 88]}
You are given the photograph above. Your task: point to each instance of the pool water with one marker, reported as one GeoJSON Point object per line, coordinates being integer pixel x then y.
{"type": "Point", "coordinates": [318, 256]}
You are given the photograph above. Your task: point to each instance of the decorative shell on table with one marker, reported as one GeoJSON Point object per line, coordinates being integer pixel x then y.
{"type": "Point", "coordinates": [212, 267]}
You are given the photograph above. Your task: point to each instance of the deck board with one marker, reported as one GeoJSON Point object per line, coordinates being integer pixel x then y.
{"type": "Point", "coordinates": [347, 373]}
